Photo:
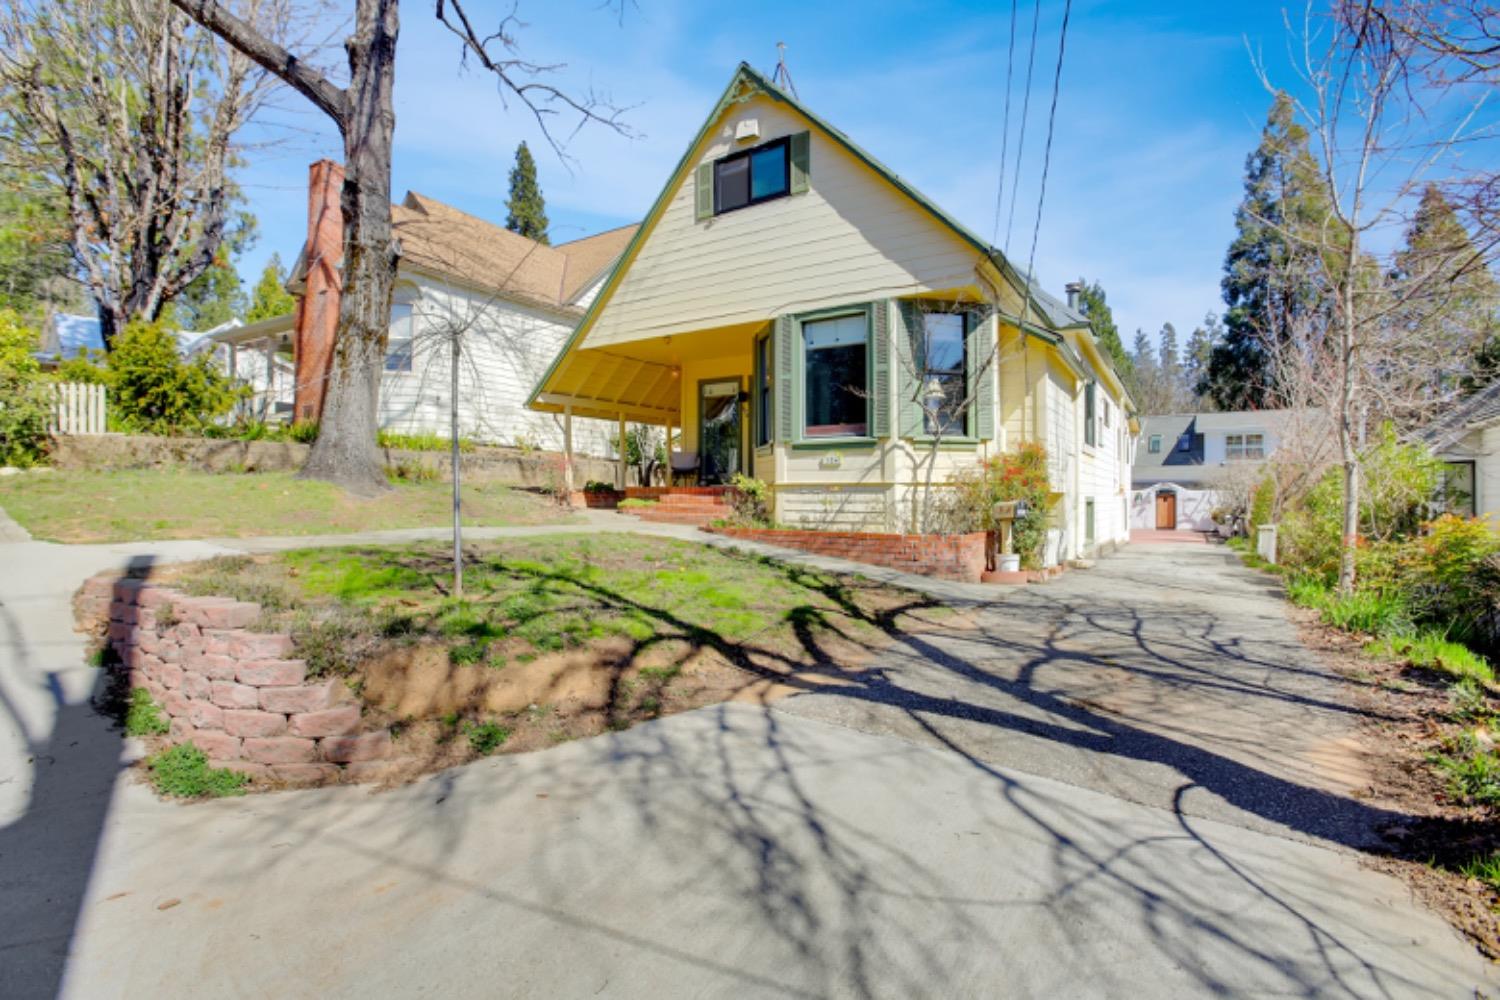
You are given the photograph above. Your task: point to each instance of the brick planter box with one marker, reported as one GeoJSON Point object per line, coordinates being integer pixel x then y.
{"type": "Point", "coordinates": [597, 499]}
{"type": "Point", "coordinates": [237, 694]}
{"type": "Point", "coordinates": [948, 557]}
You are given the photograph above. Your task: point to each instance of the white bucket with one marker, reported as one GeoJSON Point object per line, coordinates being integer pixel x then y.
{"type": "Point", "coordinates": [1009, 562]}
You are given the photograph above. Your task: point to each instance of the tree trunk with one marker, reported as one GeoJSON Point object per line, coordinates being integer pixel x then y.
{"type": "Point", "coordinates": [345, 451]}
{"type": "Point", "coordinates": [1347, 451]}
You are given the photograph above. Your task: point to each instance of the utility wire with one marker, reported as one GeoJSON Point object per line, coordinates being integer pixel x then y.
{"type": "Point", "coordinates": [1036, 15]}
{"type": "Point", "coordinates": [1010, 62]}
{"type": "Point", "coordinates": [1062, 45]}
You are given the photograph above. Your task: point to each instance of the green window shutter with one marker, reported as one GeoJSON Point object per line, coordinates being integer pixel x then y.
{"type": "Point", "coordinates": [801, 149]}
{"type": "Point", "coordinates": [908, 375]}
{"type": "Point", "coordinates": [784, 391]}
{"type": "Point", "coordinates": [880, 381]}
{"type": "Point", "coordinates": [703, 185]}
{"type": "Point", "coordinates": [1088, 413]}
{"type": "Point", "coordinates": [983, 358]}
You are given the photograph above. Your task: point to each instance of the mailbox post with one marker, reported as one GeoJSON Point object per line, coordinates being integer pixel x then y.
{"type": "Point", "coordinates": [1004, 515]}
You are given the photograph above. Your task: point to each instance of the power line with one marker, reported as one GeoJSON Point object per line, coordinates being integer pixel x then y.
{"type": "Point", "coordinates": [1036, 16]}
{"type": "Point", "coordinates": [1010, 61]}
{"type": "Point", "coordinates": [1062, 45]}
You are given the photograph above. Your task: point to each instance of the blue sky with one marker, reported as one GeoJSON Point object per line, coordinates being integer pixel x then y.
{"type": "Point", "coordinates": [1158, 107]}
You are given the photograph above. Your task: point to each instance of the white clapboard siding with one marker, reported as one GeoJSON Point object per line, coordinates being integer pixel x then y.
{"type": "Point", "coordinates": [77, 408]}
{"type": "Point", "coordinates": [506, 347]}
{"type": "Point", "coordinates": [851, 237]}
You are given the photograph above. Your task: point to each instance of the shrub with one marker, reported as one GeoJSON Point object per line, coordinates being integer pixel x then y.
{"type": "Point", "coordinates": [183, 772]}
{"type": "Point", "coordinates": [1262, 504]}
{"type": "Point", "coordinates": [1453, 572]}
{"type": "Point", "coordinates": [598, 486]}
{"type": "Point", "coordinates": [156, 391]}
{"type": "Point", "coordinates": [1019, 475]}
{"type": "Point", "coordinates": [752, 501]}
{"type": "Point", "coordinates": [303, 431]}
{"type": "Point", "coordinates": [424, 441]}
{"type": "Point", "coordinates": [142, 716]}
{"type": "Point", "coordinates": [25, 400]}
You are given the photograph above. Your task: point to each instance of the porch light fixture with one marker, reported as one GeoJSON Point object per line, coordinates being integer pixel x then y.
{"type": "Point", "coordinates": [933, 397]}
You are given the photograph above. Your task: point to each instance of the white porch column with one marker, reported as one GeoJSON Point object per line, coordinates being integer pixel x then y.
{"type": "Point", "coordinates": [568, 450]}
{"type": "Point", "coordinates": [620, 474]}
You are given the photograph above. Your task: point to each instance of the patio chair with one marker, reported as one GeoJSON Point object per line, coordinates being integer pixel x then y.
{"type": "Point", "coordinates": [684, 465]}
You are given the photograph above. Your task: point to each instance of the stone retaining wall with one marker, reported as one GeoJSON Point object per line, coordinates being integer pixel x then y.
{"type": "Point", "coordinates": [237, 694]}
{"type": "Point", "coordinates": [506, 466]}
{"type": "Point", "coordinates": [948, 557]}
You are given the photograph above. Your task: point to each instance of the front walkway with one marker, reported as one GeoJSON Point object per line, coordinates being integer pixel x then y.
{"type": "Point", "coordinates": [1102, 788]}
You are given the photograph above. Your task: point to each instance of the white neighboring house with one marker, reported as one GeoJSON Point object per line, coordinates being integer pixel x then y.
{"type": "Point", "coordinates": [1179, 456]}
{"type": "Point", "coordinates": [509, 300]}
{"type": "Point", "coordinates": [1467, 439]}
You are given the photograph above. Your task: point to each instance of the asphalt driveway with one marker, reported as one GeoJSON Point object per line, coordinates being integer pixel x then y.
{"type": "Point", "coordinates": [1113, 785]}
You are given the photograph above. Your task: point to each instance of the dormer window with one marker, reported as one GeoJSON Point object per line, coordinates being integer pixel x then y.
{"type": "Point", "coordinates": [752, 176]}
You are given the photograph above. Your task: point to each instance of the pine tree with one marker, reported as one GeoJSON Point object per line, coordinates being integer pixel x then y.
{"type": "Point", "coordinates": [1169, 363]}
{"type": "Point", "coordinates": [1102, 322]}
{"type": "Point", "coordinates": [1195, 360]}
{"type": "Point", "coordinates": [527, 211]}
{"type": "Point", "coordinates": [1455, 299]}
{"type": "Point", "coordinates": [1267, 277]}
{"type": "Point", "coordinates": [270, 297]}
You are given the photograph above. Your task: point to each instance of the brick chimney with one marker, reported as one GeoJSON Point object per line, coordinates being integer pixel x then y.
{"type": "Point", "coordinates": [318, 307]}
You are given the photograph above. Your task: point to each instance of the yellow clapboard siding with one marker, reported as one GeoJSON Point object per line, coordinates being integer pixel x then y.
{"type": "Point", "coordinates": [850, 236]}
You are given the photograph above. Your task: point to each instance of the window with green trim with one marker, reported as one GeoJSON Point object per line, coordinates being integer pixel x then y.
{"type": "Point", "coordinates": [836, 398]}
{"type": "Point", "coordinates": [752, 176]}
{"type": "Point", "coordinates": [1090, 435]}
{"type": "Point", "coordinates": [762, 396]}
{"type": "Point", "coordinates": [945, 373]}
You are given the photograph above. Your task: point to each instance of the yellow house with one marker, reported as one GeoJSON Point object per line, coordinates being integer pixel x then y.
{"type": "Point", "coordinates": [793, 310]}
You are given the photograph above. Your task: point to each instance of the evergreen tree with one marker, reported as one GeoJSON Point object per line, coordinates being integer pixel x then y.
{"type": "Point", "coordinates": [212, 299]}
{"type": "Point", "coordinates": [270, 297]}
{"type": "Point", "coordinates": [1454, 297]}
{"type": "Point", "coordinates": [527, 212]}
{"type": "Point", "coordinates": [1169, 363]}
{"type": "Point", "coordinates": [1195, 360]}
{"type": "Point", "coordinates": [1102, 322]}
{"type": "Point", "coordinates": [1268, 277]}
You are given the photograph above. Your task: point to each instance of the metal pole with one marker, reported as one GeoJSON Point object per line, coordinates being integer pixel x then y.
{"type": "Point", "coordinates": [458, 557]}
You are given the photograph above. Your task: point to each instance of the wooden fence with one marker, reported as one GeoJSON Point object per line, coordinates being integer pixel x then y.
{"type": "Point", "coordinates": [78, 409]}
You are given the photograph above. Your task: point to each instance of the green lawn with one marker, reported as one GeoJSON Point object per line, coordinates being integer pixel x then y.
{"type": "Point", "coordinates": [558, 636]}
{"type": "Point", "coordinates": [122, 506]}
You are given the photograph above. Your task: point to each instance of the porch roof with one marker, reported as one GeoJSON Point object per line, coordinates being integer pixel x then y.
{"type": "Point", "coordinates": [608, 385]}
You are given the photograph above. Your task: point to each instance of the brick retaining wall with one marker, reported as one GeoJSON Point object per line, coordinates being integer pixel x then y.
{"type": "Point", "coordinates": [949, 557]}
{"type": "Point", "coordinates": [235, 693]}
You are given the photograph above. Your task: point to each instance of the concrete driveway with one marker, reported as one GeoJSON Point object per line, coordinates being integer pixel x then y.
{"type": "Point", "coordinates": [1111, 785]}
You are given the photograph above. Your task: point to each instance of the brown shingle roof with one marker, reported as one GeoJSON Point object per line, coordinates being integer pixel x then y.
{"type": "Point", "coordinates": [441, 238]}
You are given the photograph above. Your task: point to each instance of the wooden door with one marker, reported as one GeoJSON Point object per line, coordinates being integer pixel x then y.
{"type": "Point", "coordinates": [1166, 511]}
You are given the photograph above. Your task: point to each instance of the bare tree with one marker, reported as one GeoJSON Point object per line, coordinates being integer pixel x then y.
{"type": "Point", "coordinates": [1378, 137]}
{"type": "Point", "coordinates": [130, 109]}
{"type": "Point", "coordinates": [345, 451]}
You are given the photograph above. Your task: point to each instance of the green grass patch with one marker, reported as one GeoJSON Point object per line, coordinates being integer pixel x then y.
{"type": "Point", "coordinates": [143, 717]}
{"type": "Point", "coordinates": [1483, 868]}
{"type": "Point", "coordinates": [1433, 650]}
{"type": "Point", "coordinates": [421, 442]}
{"type": "Point", "coordinates": [160, 504]}
{"type": "Point", "coordinates": [632, 503]}
{"type": "Point", "coordinates": [486, 737]}
{"type": "Point", "coordinates": [1472, 768]}
{"type": "Point", "coordinates": [183, 772]}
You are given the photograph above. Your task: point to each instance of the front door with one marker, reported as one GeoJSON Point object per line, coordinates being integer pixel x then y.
{"type": "Point", "coordinates": [719, 430]}
{"type": "Point", "coordinates": [1166, 511]}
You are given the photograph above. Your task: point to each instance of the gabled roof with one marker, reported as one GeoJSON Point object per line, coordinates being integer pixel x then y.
{"type": "Point", "coordinates": [1475, 411]}
{"type": "Point", "coordinates": [746, 78]}
{"type": "Point", "coordinates": [437, 237]}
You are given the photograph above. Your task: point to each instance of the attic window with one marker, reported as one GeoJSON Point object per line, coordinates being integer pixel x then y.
{"type": "Point", "coordinates": [1153, 446]}
{"type": "Point", "coordinates": [751, 177]}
